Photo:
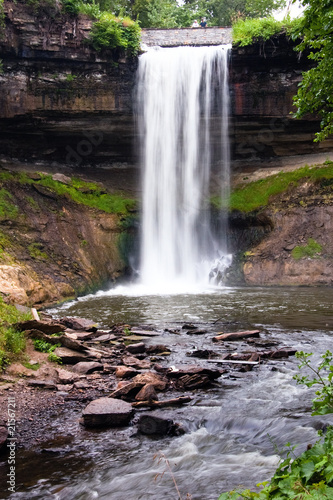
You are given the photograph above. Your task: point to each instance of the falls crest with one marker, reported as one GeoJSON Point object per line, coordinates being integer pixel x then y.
{"type": "Point", "coordinates": [183, 105]}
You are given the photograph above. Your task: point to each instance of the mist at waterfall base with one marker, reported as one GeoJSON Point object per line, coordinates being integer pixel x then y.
{"type": "Point", "coordinates": [181, 92]}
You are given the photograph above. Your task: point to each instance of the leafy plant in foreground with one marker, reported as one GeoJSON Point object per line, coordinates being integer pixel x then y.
{"type": "Point", "coordinates": [309, 476]}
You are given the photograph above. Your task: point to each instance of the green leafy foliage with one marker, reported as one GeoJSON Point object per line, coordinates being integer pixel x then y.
{"type": "Point", "coordinates": [248, 31]}
{"type": "Point", "coordinates": [323, 374]}
{"type": "Point", "coordinates": [43, 346]}
{"type": "Point", "coordinates": [12, 341]}
{"type": "Point", "coordinates": [315, 93]}
{"type": "Point", "coordinates": [310, 250]}
{"type": "Point", "coordinates": [111, 32]}
{"type": "Point", "coordinates": [310, 475]}
{"type": "Point", "coordinates": [257, 194]}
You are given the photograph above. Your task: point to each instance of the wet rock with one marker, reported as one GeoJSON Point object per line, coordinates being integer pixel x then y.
{"type": "Point", "coordinates": [68, 356]}
{"type": "Point", "coordinates": [107, 412]}
{"type": "Point", "coordinates": [3, 438]}
{"type": "Point", "coordinates": [137, 348]}
{"type": "Point", "coordinates": [147, 393]}
{"type": "Point", "coordinates": [160, 383]}
{"type": "Point", "coordinates": [201, 353]}
{"type": "Point", "coordinates": [43, 384]}
{"type": "Point", "coordinates": [196, 331]}
{"type": "Point", "coordinates": [236, 335]}
{"type": "Point", "coordinates": [127, 391]}
{"type": "Point", "coordinates": [157, 349]}
{"type": "Point", "coordinates": [154, 425]}
{"type": "Point", "coordinates": [85, 367]}
{"type": "Point", "coordinates": [145, 333]}
{"type": "Point", "coordinates": [125, 372]}
{"type": "Point", "coordinates": [79, 324]}
{"type": "Point", "coordinates": [136, 363]}
{"type": "Point", "coordinates": [178, 372]}
{"type": "Point", "coordinates": [188, 326]}
{"type": "Point", "coordinates": [191, 382]}
{"type": "Point", "coordinates": [47, 327]}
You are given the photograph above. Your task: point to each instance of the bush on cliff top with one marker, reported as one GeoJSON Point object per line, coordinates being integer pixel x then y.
{"type": "Point", "coordinates": [248, 31]}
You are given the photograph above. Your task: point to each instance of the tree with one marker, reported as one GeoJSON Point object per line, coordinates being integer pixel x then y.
{"type": "Point", "coordinates": [315, 94]}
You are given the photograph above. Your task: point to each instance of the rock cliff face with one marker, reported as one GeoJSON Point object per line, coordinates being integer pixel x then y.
{"type": "Point", "coordinates": [52, 248]}
{"type": "Point", "coordinates": [62, 101]}
{"type": "Point", "coordinates": [266, 240]}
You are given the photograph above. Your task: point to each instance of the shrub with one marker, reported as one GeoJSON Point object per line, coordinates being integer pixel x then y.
{"type": "Point", "coordinates": [310, 250]}
{"type": "Point", "coordinates": [249, 31]}
{"type": "Point", "coordinates": [111, 32]}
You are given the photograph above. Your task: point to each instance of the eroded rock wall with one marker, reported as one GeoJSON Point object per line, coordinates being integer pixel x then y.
{"type": "Point", "coordinates": [53, 248]}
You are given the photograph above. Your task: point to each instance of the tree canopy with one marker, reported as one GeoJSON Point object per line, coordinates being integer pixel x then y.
{"type": "Point", "coordinates": [171, 13]}
{"type": "Point", "coordinates": [315, 94]}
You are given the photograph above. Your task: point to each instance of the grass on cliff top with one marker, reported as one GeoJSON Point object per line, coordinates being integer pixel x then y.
{"type": "Point", "coordinates": [257, 194]}
{"type": "Point", "coordinates": [84, 193]}
{"type": "Point", "coordinates": [12, 342]}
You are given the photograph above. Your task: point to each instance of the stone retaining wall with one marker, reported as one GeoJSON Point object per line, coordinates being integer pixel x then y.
{"type": "Point", "coordinates": [175, 37]}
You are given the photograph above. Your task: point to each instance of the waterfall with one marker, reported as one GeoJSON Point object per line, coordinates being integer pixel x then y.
{"type": "Point", "coordinates": [183, 105]}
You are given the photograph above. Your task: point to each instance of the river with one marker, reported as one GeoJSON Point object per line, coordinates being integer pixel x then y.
{"type": "Point", "coordinates": [233, 430]}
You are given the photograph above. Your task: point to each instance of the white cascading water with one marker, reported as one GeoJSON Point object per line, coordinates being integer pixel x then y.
{"type": "Point", "coordinates": [182, 95]}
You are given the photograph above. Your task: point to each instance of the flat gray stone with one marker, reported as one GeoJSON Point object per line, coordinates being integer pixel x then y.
{"type": "Point", "coordinates": [107, 412]}
{"type": "Point", "coordinates": [84, 367]}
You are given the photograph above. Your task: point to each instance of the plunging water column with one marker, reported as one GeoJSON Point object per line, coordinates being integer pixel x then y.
{"type": "Point", "coordinates": [182, 103]}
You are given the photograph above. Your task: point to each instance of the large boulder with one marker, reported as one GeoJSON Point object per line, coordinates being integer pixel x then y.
{"type": "Point", "coordinates": [107, 412]}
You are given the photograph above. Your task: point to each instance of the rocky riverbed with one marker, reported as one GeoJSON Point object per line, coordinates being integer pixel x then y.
{"type": "Point", "coordinates": [112, 375]}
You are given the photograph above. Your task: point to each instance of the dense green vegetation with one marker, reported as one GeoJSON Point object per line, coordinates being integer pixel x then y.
{"type": "Point", "coordinates": [315, 94]}
{"type": "Point", "coordinates": [84, 193]}
{"type": "Point", "coordinates": [12, 341]}
{"type": "Point", "coordinates": [310, 475]}
{"type": "Point", "coordinates": [167, 13]}
{"type": "Point", "coordinates": [248, 31]}
{"type": "Point", "coordinates": [255, 195]}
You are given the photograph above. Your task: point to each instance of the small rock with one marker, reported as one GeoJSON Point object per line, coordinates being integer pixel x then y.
{"type": "Point", "coordinates": [147, 393]}
{"type": "Point", "coordinates": [125, 372]}
{"type": "Point", "coordinates": [191, 382]}
{"type": "Point", "coordinates": [136, 363]}
{"type": "Point", "coordinates": [84, 367]}
{"type": "Point", "coordinates": [79, 324]}
{"type": "Point", "coordinates": [107, 412]}
{"type": "Point", "coordinates": [61, 178]}
{"type": "Point", "coordinates": [136, 348]}
{"type": "Point", "coordinates": [43, 384]}
{"type": "Point", "coordinates": [81, 384]}
{"type": "Point", "coordinates": [66, 377]}
{"type": "Point", "coordinates": [157, 349]}
{"type": "Point", "coordinates": [156, 380]}
{"type": "Point", "coordinates": [152, 424]}
{"type": "Point", "coordinates": [127, 391]}
{"type": "Point", "coordinates": [68, 356]}
{"type": "Point", "coordinates": [47, 327]}
{"type": "Point", "coordinates": [64, 388]}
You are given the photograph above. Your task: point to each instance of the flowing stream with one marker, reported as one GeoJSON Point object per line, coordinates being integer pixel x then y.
{"type": "Point", "coordinates": [181, 92]}
{"type": "Point", "coordinates": [232, 429]}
